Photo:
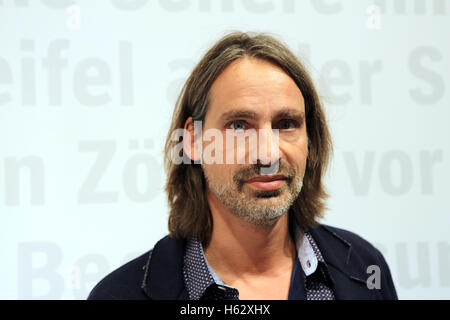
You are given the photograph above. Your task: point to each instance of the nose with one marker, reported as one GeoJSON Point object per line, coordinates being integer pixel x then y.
{"type": "Point", "coordinates": [268, 150]}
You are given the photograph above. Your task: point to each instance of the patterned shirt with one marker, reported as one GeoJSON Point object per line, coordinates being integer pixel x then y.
{"type": "Point", "coordinates": [203, 283]}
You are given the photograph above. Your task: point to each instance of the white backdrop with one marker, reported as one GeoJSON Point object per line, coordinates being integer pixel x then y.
{"type": "Point", "coordinates": [87, 90]}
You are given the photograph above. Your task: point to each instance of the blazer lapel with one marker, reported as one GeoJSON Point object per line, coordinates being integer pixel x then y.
{"type": "Point", "coordinates": [163, 279]}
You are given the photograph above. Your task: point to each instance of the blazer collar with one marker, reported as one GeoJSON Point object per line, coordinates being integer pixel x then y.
{"type": "Point", "coordinates": [347, 269]}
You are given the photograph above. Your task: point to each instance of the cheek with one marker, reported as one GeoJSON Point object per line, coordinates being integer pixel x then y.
{"type": "Point", "coordinates": [295, 153]}
{"type": "Point", "coordinates": [209, 170]}
{"type": "Point", "coordinates": [218, 173]}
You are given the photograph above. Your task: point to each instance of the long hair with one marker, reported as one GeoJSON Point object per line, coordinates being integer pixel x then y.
{"type": "Point", "coordinates": [190, 214]}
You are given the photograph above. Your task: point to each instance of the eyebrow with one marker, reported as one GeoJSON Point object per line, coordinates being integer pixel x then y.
{"type": "Point", "coordinates": [245, 114]}
{"type": "Point", "coordinates": [234, 114]}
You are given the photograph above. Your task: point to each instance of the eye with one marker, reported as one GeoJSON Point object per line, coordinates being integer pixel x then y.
{"type": "Point", "coordinates": [288, 124]}
{"type": "Point", "coordinates": [236, 125]}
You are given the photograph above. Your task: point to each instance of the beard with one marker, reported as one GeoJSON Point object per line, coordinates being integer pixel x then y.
{"type": "Point", "coordinates": [258, 207]}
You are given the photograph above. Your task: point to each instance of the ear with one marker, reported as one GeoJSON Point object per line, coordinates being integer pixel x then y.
{"type": "Point", "coordinates": [191, 140]}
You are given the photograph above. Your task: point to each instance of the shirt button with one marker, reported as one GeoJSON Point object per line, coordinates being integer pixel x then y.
{"type": "Point", "coordinates": [308, 263]}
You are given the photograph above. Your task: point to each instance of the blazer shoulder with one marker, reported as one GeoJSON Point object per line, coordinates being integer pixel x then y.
{"type": "Point", "coordinates": [124, 282]}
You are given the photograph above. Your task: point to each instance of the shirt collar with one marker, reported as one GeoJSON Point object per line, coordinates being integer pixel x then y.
{"type": "Point", "coordinates": [308, 256]}
{"type": "Point", "coordinates": [196, 270]}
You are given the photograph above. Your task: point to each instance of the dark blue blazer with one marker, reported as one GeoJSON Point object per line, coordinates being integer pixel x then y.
{"type": "Point", "coordinates": [158, 274]}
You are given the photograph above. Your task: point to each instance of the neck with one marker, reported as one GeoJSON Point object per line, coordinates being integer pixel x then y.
{"type": "Point", "coordinates": [238, 247]}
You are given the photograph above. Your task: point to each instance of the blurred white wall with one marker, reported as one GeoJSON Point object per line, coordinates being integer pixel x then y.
{"type": "Point", "coordinates": [87, 90]}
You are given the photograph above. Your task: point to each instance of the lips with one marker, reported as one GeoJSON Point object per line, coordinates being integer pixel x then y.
{"type": "Point", "coordinates": [267, 178]}
{"type": "Point", "coordinates": [267, 182]}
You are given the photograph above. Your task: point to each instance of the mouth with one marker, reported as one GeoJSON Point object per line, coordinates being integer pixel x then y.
{"type": "Point", "coordinates": [267, 182]}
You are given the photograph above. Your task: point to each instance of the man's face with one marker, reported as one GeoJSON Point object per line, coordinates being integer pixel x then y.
{"type": "Point", "coordinates": [255, 94]}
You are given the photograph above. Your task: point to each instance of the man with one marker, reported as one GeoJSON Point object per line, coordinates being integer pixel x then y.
{"type": "Point", "coordinates": [244, 223]}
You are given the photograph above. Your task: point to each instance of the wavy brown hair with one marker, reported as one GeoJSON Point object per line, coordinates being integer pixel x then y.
{"type": "Point", "coordinates": [190, 214]}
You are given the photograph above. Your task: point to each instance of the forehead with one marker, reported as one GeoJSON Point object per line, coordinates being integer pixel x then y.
{"type": "Point", "coordinates": [254, 85]}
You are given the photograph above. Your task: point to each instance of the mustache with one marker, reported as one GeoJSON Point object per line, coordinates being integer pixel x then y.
{"type": "Point", "coordinates": [254, 170]}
